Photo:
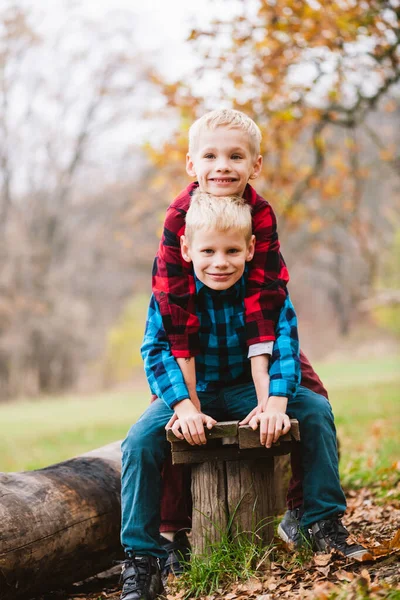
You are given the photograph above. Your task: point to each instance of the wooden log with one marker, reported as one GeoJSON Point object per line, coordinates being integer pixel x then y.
{"type": "Point", "coordinates": [250, 438]}
{"type": "Point", "coordinates": [222, 429]}
{"type": "Point", "coordinates": [210, 515]}
{"type": "Point", "coordinates": [60, 524]}
{"type": "Point", "coordinates": [251, 498]}
{"type": "Point", "coordinates": [235, 493]}
{"type": "Point", "coordinates": [199, 454]}
{"type": "Point", "coordinates": [228, 441]}
{"type": "Point", "coordinates": [233, 484]}
{"type": "Point", "coordinates": [282, 472]}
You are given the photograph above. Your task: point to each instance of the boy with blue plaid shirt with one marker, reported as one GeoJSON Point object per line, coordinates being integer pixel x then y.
{"type": "Point", "coordinates": [218, 241]}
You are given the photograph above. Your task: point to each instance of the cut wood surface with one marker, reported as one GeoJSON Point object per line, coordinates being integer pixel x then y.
{"type": "Point", "coordinates": [60, 524]}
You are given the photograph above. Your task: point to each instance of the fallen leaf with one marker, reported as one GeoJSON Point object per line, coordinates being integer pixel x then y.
{"type": "Point", "coordinates": [252, 585]}
{"type": "Point", "coordinates": [344, 576]}
{"type": "Point", "coordinates": [394, 543]}
{"type": "Point", "coordinates": [324, 570]}
{"type": "Point", "coordinates": [364, 573]}
{"type": "Point", "coordinates": [321, 560]}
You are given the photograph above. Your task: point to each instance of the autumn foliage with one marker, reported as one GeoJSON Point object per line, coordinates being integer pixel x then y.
{"type": "Point", "coordinates": [310, 74]}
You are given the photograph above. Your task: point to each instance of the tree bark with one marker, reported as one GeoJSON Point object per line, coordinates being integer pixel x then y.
{"type": "Point", "coordinates": [234, 495]}
{"type": "Point", "coordinates": [60, 524]}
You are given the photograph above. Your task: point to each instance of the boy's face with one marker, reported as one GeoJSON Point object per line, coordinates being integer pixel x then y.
{"type": "Point", "coordinates": [222, 161]}
{"type": "Point", "coordinates": [218, 257]}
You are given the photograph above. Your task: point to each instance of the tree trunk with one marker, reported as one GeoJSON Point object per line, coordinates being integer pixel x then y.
{"type": "Point", "coordinates": [238, 495]}
{"type": "Point", "coordinates": [60, 524]}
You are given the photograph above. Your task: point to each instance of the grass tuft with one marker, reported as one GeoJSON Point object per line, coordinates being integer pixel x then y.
{"type": "Point", "coordinates": [227, 562]}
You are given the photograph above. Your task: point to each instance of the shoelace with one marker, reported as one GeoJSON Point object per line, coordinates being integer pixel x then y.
{"type": "Point", "coordinates": [137, 579]}
{"type": "Point", "coordinates": [337, 531]}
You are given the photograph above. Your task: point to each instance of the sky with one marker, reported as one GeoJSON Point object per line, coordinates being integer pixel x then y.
{"type": "Point", "coordinates": [159, 29]}
{"type": "Point", "coordinates": [160, 26]}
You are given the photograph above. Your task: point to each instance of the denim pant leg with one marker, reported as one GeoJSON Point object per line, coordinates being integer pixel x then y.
{"type": "Point", "coordinates": [143, 453]}
{"type": "Point", "coordinates": [323, 495]}
{"type": "Point", "coordinates": [239, 400]}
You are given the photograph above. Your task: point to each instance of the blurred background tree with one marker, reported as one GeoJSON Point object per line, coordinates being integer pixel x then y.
{"type": "Point", "coordinates": [68, 217]}
{"type": "Point", "coordinates": [82, 201]}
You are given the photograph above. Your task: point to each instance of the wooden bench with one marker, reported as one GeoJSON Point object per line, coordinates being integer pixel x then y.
{"type": "Point", "coordinates": [233, 484]}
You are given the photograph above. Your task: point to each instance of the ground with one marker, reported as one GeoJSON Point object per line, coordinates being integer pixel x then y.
{"type": "Point", "coordinates": [369, 519]}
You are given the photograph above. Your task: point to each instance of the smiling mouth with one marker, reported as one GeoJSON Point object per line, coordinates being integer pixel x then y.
{"type": "Point", "coordinates": [219, 275]}
{"type": "Point", "coordinates": [220, 180]}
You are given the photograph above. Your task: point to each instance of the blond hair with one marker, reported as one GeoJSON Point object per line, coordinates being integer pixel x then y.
{"type": "Point", "coordinates": [222, 213]}
{"type": "Point", "coordinates": [226, 117]}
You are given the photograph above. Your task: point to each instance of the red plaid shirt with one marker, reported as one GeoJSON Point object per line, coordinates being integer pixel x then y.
{"type": "Point", "coordinates": [174, 286]}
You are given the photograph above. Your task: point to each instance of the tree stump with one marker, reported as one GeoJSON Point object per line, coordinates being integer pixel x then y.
{"type": "Point", "coordinates": [233, 483]}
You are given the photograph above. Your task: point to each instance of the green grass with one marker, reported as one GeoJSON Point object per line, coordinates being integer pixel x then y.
{"type": "Point", "coordinates": [226, 562]}
{"type": "Point", "coordinates": [34, 434]}
{"type": "Point", "coordinates": [365, 396]}
{"type": "Point", "coordinates": [366, 401]}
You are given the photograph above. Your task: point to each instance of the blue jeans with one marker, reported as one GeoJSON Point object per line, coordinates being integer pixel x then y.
{"type": "Point", "coordinates": [145, 448]}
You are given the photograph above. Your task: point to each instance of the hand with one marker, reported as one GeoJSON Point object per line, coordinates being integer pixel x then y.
{"type": "Point", "coordinates": [190, 423]}
{"type": "Point", "coordinates": [273, 424]}
{"type": "Point", "coordinates": [195, 401]}
{"type": "Point", "coordinates": [171, 422]}
{"type": "Point", "coordinates": [271, 417]}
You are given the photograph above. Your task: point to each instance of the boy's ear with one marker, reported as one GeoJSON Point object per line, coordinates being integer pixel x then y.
{"type": "Point", "coordinates": [251, 248]}
{"type": "Point", "coordinates": [257, 167]}
{"type": "Point", "coordinates": [190, 166]}
{"type": "Point", "coordinates": [185, 249]}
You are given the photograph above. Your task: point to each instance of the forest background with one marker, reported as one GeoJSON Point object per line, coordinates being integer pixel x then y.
{"type": "Point", "coordinates": [93, 129]}
{"type": "Point", "coordinates": [96, 99]}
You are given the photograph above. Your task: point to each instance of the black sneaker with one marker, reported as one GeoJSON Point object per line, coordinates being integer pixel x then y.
{"type": "Point", "coordinates": [141, 578]}
{"type": "Point", "coordinates": [332, 535]}
{"type": "Point", "coordinates": [178, 555]}
{"type": "Point", "coordinates": [289, 529]}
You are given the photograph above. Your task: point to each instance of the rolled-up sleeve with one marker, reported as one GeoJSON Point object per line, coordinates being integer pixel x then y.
{"type": "Point", "coordinates": [285, 372]}
{"type": "Point", "coordinates": [162, 371]}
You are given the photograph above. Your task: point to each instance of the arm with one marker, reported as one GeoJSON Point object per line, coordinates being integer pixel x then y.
{"type": "Point", "coordinates": [188, 368]}
{"type": "Point", "coordinates": [162, 371]}
{"type": "Point", "coordinates": [268, 275]}
{"type": "Point", "coordinates": [167, 381]}
{"type": "Point", "coordinates": [284, 379]}
{"type": "Point", "coordinates": [284, 372]}
{"type": "Point", "coordinates": [173, 282]}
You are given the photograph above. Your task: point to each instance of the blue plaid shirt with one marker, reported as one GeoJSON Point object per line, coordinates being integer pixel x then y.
{"type": "Point", "coordinates": [223, 359]}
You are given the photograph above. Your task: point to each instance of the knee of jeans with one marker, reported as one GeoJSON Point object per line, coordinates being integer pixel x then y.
{"type": "Point", "coordinates": [318, 411]}
{"type": "Point", "coordinates": [142, 442]}
{"type": "Point", "coordinates": [137, 437]}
